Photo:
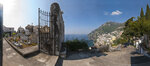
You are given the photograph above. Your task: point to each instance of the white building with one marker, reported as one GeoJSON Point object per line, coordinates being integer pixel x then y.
{"type": "Point", "coordinates": [8, 30]}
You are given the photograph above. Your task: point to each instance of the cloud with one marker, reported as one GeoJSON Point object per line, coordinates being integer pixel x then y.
{"type": "Point", "coordinates": [117, 12]}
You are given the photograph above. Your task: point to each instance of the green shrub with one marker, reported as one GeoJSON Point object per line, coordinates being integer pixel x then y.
{"type": "Point", "coordinates": [75, 45]}
{"type": "Point", "coordinates": [120, 41]}
{"type": "Point", "coordinates": [13, 34]}
{"type": "Point", "coordinates": [114, 44]}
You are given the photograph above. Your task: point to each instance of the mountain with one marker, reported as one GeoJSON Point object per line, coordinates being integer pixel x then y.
{"type": "Point", "coordinates": [106, 28]}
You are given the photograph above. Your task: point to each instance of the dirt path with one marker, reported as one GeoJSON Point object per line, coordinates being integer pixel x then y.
{"type": "Point", "coordinates": [125, 57]}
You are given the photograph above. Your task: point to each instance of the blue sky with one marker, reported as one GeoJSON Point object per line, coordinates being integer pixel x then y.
{"type": "Point", "coordinates": [80, 16]}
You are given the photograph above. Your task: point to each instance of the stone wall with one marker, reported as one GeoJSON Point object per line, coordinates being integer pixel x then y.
{"type": "Point", "coordinates": [57, 26]}
{"type": "Point", "coordinates": [52, 42]}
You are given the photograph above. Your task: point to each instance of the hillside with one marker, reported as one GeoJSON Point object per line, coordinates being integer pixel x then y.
{"type": "Point", "coordinates": [106, 28]}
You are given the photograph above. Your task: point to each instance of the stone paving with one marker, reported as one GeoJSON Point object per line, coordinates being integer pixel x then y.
{"type": "Point", "coordinates": [125, 57]}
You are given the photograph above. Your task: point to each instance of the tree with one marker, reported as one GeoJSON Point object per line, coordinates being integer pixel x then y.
{"type": "Point", "coordinates": [128, 29]}
{"type": "Point", "coordinates": [146, 27]}
{"type": "Point", "coordinates": [128, 21]}
{"type": "Point", "coordinates": [142, 13]}
{"type": "Point", "coordinates": [147, 12]}
{"type": "Point", "coordinates": [138, 27]}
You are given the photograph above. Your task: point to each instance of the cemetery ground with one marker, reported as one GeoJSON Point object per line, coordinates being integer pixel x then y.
{"type": "Point", "coordinates": [125, 57]}
{"type": "Point", "coordinates": [12, 58]}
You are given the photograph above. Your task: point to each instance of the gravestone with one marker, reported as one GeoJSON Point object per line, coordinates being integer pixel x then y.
{"type": "Point", "coordinates": [20, 31]}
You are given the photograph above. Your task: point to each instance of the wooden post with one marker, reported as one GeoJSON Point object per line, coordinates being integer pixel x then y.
{"type": "Point", "coordinates": [1, 36]}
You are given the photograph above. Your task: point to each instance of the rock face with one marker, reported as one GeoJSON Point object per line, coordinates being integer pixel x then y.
{"type": "Point", "coordinates": [106, 34]}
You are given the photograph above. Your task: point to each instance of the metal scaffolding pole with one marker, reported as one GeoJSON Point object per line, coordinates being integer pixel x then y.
{"type": "Point", "coordinates": [39, 26]}
{"type": "Point", "coordinates": [1, 36]}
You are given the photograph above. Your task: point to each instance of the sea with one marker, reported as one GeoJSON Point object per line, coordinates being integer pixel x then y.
{"type": "Point", "coordinates": [79, 37]}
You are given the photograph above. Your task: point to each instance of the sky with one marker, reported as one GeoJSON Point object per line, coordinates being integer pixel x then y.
{"type": "Point", "coordinates": [80, 16]}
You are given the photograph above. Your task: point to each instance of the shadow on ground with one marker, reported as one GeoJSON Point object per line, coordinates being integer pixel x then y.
{"type": "Point", "coordinates": [134, 53]}
{"type": "Point", "coordinates": [139, 60]}
{"type": "Point", "coordinates": [83, 55]}
{"type": "Point", "coordinates": [78, 56]}
{"type": "Point", "coordinates": [32, 54]}
{"type": "Point", "coordinates": [59, 62]}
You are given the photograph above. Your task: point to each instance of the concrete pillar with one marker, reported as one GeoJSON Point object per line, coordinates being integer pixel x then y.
{"type": "Point", "coordinates": [1, 36]}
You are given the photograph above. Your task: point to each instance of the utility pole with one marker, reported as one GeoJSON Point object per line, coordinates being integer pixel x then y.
{"type": "Point", "coordinates": [1, 34]}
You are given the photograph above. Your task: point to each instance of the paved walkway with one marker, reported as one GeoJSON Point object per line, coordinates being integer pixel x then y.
{"type": "Point", "coordinates": [125, 57]}
{"type": "Point", "coordinates": [12, 58]}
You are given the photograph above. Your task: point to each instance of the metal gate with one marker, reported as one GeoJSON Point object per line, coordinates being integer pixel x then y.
{"type": "Point", "coordinates": [46, 44]}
